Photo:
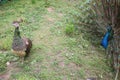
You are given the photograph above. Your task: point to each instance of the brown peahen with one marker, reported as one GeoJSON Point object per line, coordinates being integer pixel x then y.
{"type": "Point", "coordinates": [108, 14]}
{"type": "Point", "coordinates": [20, 46]}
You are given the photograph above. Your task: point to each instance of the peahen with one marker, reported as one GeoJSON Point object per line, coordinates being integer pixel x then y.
{"type": "Point", "coordinates": [20, 46]}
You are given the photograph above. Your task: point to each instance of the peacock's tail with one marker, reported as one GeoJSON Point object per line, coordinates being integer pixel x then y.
{"type": "Point", "coordinates": [108, 13]}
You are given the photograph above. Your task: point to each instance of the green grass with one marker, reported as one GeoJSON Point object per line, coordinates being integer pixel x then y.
{"type": "Point", "coordinates": [70, 29]}
{"type": "Point", "coordinates": [54, 55]}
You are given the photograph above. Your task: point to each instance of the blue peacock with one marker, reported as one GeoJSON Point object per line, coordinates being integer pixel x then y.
{"type": "Point", "coordinates": [107, 37]}
{"type": "Point", "coordinates": [108, 13]}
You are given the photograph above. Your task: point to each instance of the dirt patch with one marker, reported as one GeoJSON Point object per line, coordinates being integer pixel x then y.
{"type": "Point", "coordinates": [50, 19]}
{"type": "Point", "coordinates": [5, 76]}
{"type": "Point", "coordinates": [60, 14]}
{"type": "Point", "coordinates": [11, 69]}
{"type": "Point", "coordinates": [73, 66]}
{"type": "Point", "coordinates": [50, 9]}
{"type": "Point", "coordinates": [62, 64]}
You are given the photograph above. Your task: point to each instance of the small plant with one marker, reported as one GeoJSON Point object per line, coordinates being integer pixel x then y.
{"type": "Point", "coordinates": [33, 1]}
{"type": "Point", "coordinates": [81, 72]}
{"type": "Point", "coordinates": [24, 76]}
{"type": "Point", "coordinates": [4, 1]}
{"type": "Point", "coordinates": [6, 43]}
{"type": "Point", "coordinates": [2, 62]}
{"type": "Point", "coordinates": [69, 30]}
{"type": "Point", "coordinates": [47, 3]}
{"type": "Point", "coordinates": [4, 58]}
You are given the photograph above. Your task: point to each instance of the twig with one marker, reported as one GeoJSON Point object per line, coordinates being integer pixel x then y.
{"type": "Point", "coordinates": [81, 23]}
{"type": "Point", "coordinates": [117, 74]}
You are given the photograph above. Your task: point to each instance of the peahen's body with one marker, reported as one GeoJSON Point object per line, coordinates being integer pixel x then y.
{"type": "Point", "coordinates": [20, 46]}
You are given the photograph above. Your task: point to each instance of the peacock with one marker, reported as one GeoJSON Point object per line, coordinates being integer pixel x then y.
{"type": "Point", "coordinates": [107, 37]}
{"type": "Point", "coordinates": [107, 17]}
{"type": "Point", "coordinates": [20, 46]}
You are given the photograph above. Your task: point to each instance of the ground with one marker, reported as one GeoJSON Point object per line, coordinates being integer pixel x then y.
{"type": "Point", "coordinates": [54, 55]}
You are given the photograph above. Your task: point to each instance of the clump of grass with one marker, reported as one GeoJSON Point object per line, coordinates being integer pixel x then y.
{"type": "Point", "coordinates": [81, 72]}
{"type": "Point", "coordinates": [70, 29]}
{"type": "Point", "coordinates": [4, 57]}
{"type": "Point", "coordinates": [6, 43]}
{"type": "Point", "coordinates": [47, 3]}
{"type": "Point", "coordinates": [33, 1]}
{"type": "Point", "coordinates": [3, 1]}
{"type": "Point", "coordinates": [24, 76]}
{"type": "Point", "coordinates": [3, 60]}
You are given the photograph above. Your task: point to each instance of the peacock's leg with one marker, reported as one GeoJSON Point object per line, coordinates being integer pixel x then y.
{"type": "Point", "coordinates": [116, 75]}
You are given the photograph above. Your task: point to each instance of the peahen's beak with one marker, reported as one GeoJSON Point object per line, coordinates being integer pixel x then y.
{"type": "Point", "coordinates": [16, 24]}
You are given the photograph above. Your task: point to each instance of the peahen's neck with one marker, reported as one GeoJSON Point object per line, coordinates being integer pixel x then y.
{"type": "Point", "coordinates": [17, 33]}
{"type": "Point", "coordinates": [18, 43]}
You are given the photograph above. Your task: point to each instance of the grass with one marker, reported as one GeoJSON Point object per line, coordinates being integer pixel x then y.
{"type": "Point", "coordinates": [55, 55]}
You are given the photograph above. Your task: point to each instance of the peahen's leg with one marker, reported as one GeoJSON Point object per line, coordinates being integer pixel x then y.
{"type": "Point", "coordinates": [22, 60]}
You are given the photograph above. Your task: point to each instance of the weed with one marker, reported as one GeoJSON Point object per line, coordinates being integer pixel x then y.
{"type": "Point", "coordinates": [69, 30]}
{"type": "Point", "coordinates": [6, 43]}
{"type": "Point", "coordinates": [33, 1]}
{"type": "Point", "coordinates": [3, 1]}
{"type": "Point", "coordinates": [4, 58]}
{"type": "Point", "coordinates": [81, 72]}
{"type": "Point", "coordinates": [47, 3]}
{"type": "Point", "coordinates": [23, 76]}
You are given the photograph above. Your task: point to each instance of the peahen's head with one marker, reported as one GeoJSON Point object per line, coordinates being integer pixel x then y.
{"type": "Point", "coordinates": [16, 24]}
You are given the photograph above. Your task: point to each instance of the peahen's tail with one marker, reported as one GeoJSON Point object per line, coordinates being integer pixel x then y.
{"type": "Point", "coordinates": [28, 46]}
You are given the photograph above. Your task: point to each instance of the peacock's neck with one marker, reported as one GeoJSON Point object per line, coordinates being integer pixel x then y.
{"type": "Point", "coordinates": [107, 36]}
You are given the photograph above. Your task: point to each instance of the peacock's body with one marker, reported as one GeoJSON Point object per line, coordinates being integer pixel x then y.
{"type": "Point", "coordinates": [104, 41]}
{"type": "Point", "coordinates": [20, 46]}
{"type": "Point", "coordinates": [107, 37]}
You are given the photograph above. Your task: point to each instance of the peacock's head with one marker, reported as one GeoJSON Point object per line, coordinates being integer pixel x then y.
{"type": "Point", "coordinates": [109, 28]}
